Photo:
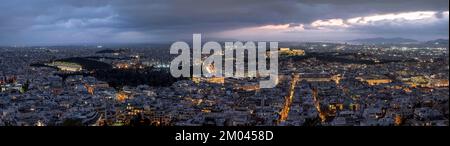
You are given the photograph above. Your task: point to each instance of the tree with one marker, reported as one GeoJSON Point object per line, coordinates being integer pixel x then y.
{"type": "Point", "coordinates": [25, 87]}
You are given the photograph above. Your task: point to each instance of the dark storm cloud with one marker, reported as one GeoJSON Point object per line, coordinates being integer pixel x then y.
{"type": "Point", "coordinates": [193, 12]}
{"type": "Point", "coordinates": [102, 21]}
{"type": "Point", "coordinates": [180, 18]}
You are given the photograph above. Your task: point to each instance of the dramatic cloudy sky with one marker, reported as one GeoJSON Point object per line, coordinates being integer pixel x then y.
{"type": "Point", "coordinates": [36, 22]}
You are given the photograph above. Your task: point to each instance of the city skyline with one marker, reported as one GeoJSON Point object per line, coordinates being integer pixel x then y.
{"type": "Point", "coordinates": [50, 22]}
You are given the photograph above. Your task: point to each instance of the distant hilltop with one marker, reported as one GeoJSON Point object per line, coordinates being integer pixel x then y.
{"type": "Point", "coordinates": [438, 42]}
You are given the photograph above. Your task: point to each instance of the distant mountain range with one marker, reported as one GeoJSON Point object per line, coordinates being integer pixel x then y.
{"type": "Point", "coordinates": [404, 41]}
{"type": "Point", "coordinates": [380, 40]}
{"type": "Point", "coordinates": [437, 42]}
